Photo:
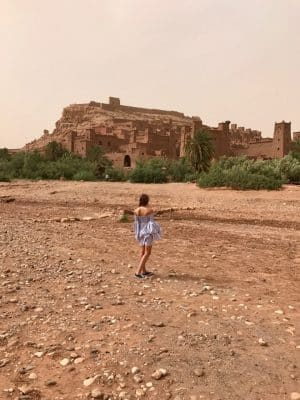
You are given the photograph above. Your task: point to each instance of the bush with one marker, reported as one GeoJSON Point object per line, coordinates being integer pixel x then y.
{"type": "Point", "coordinates": [243, 174]}
{"type": "Point", "coordinates": [4, 154]}
{"type": "Point", "coordinates": [124, 218]}
{"type": "Point", "coordinates": [70, 167]}
{"type": "Point", "coordinates": [116, 174]}
{"type": "Point", "coordinates": [15, 166]}
{"type": "Point", "coordinates": [84, 176]}
{"type": "Point", "coordinates": [150, 171]}
{"type": "Point", "coordinates": [290, 168]}
{"type": "Point", "coordinates": [96, 155]}
{"type": "Point", "coordinates": [180, 171]}
{"type": "Point", "coordinates": [31, 165]}
{"type": "Point", "coordinates": [4, 178]}
{"type": "Point", "coordinates": [295, 153]}
{"type": "Point", "coordinates": [54, 151]}
{"type": "Point", "coordinates": [240, 179]}
{"type": "Point", "coordinates": [214, 178]}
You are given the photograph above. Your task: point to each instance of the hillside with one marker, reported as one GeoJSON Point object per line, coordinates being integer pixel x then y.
{"type": "Point", "coordinates": [79, 117]}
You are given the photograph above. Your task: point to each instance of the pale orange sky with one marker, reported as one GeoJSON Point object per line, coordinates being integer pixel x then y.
{"type": "Point", "coordinates": [219, 59]}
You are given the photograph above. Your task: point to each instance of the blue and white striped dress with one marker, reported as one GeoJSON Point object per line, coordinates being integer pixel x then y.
{"type": "Point", "coordinates": [146, 229]}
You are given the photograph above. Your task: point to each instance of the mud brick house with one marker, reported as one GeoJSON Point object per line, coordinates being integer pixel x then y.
{"type": "Point", "coordinates": [128, 134]}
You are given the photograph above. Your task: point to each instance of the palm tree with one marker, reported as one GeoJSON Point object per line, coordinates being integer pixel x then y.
{"type": "Point", "coordinates": [199, 150]}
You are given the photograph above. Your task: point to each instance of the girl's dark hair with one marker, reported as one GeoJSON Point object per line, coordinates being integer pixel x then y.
{"type": "Point", "coordinates": [144, 200]}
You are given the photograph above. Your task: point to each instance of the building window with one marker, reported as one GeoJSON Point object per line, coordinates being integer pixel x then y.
{"type": "Point", "coordinates": [108, 143]}
{"type": "Point", "coordinates": [100, 142]}
{"type": "Point", "coordinates": [278, 148]}
{"type": "Point", "coordinates": [143, 154]}
{"type": "Point", "coordinates": [127, 161]}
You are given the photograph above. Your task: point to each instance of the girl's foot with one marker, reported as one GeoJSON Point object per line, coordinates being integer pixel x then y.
{"type": "Point", "coordinates": [139, 276]}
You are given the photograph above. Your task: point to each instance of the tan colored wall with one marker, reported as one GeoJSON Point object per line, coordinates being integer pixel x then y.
{"type": "Point", "coordinates": [221, 141]}
{"type": "Point", "coordinates": [130, 109]}
{"type": "Point", "coordinates": [255, 150]}
{"type": "Point", "coordinates": [277, 147]}
{"type": "Point", "coordinates": [296, 136]}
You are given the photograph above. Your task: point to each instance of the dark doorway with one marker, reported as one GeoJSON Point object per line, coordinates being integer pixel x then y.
{"type": "Point", "coordinates": [127, 161]}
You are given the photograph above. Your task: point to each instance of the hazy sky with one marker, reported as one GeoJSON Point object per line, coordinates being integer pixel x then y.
{"type": "Point", "coordinates": [219, 59]}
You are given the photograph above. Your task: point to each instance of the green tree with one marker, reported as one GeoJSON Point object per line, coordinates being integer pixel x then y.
{"type": "Point", "coordinates": [54, 151]}
{"type": "Point", "coordinates": [31, 166]}
{"type": "Point", "coordinates": [96, 155]}
{"type": "Point", "coordinates": [199, 150]}
{"type": "Point", "coordinates": [4, 154]}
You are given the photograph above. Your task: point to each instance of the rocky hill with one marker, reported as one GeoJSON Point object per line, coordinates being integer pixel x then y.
{"type": "Point", "coordinates": [79, 117]}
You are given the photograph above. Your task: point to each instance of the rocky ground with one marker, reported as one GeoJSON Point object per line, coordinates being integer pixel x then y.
{"type": "Point", "coordinates": [218, 321]}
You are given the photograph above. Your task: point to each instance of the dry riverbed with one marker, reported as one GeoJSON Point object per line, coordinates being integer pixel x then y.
{"type": "Point", "coordinates": [218, 321]}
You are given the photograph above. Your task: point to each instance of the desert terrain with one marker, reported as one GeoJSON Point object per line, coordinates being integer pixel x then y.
{"type": "Point", "coordinates": [219, 320]}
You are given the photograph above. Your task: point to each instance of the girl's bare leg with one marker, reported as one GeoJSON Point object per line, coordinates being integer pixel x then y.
{"type": "Point", "coordinates": [146, 251]}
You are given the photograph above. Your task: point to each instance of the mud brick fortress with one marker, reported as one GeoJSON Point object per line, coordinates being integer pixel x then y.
{"type": "Point", "coordinates": [128, 134]}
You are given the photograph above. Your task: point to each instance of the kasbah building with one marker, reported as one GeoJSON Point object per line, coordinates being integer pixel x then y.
{"type": "Point", "coordinates": [128, 134]}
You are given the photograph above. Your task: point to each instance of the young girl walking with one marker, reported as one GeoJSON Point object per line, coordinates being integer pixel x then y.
{"type": "Point", "coordinates": [146, 231]}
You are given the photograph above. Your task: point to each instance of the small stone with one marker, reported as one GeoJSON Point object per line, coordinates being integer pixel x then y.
{"type": "Point", "coordinates": [279, 312]}
{"type": "Point", "coordinates": [13, 300]}
{"type": "Point", "coordinates": [39, 354]}
{"type": "Point", "coordinates": [191, 314]}
{"type": "Point", "coordinates": [159, 324]}
{"type": "Point", "coordinates": [138, 378]}
{"type": "Point", "coordinates": [24, 389]}
{"type": "Point", "coordinates": [139, 392]}
{"type": "Point", "coordinates": [51, 382]}
{"type": "Point", "coordinates": [78, 360]}
{"type": "Point", "coordinates": [295, 396]}
{"type": "Point", "coordinates": [262, 342]}
{"type": "Point", "coordinates": [199, 372]}
{"type": "Point", "coordinates": [135, 370]}
{"type": "Point", "coordinates": [159, 373]}
{"type": "Point", "coordinates": [4, 362]}
{"type": "Point", "coordinates": [64, 362]}
{"type": "Point", "coordinates": [149, 384]}
{"type": "Point", "coordinates": [97, 394]}
{"type": "Point", "coordinates": [32, 376]}
{"type": "Point", "coordinates": [9, 390]}
{"type": "Point", "coordinates": [90, 381]}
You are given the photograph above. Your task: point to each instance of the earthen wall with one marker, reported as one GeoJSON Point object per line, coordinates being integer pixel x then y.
{"type": "Point", "coordinates": [296, 136]}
